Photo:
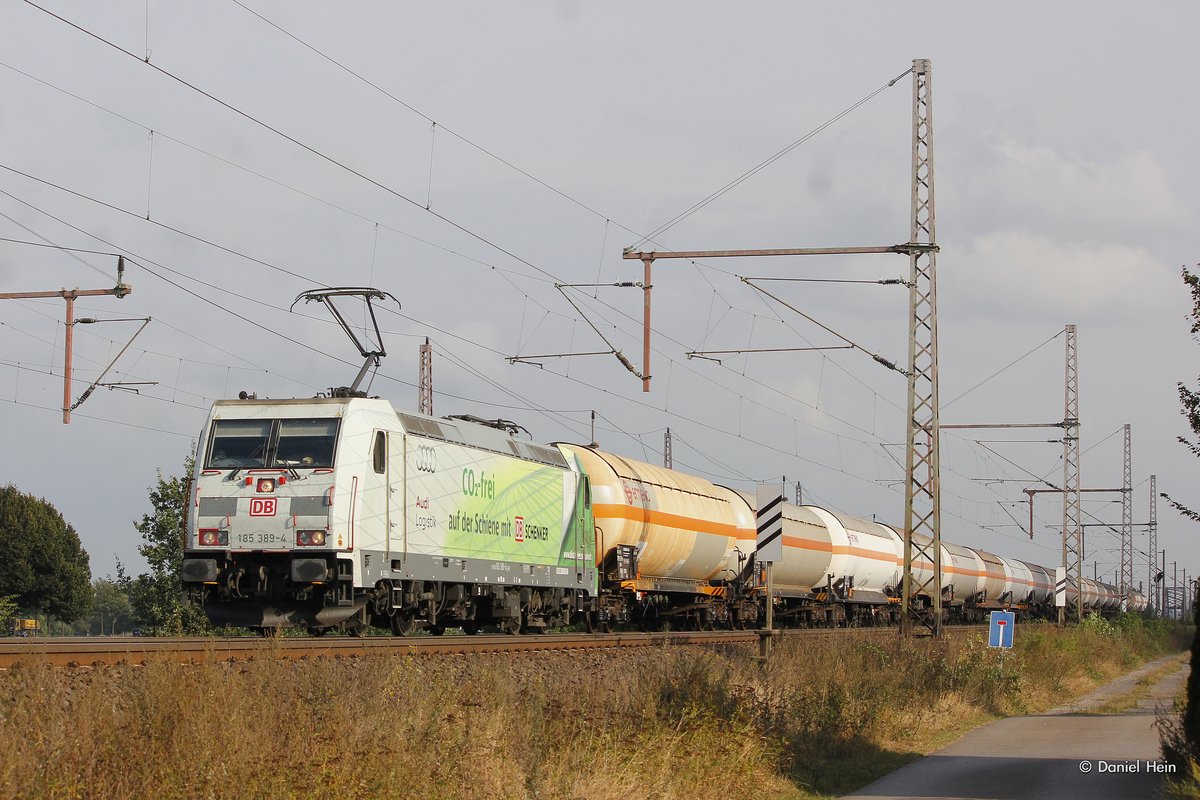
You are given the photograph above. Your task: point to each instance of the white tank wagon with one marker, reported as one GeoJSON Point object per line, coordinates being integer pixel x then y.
{"type": "Point", "coordinates": [669, 544]}
{"type": "Point", "coordinates": [922, 567]}
{"type": "Point", "coordinates": [1111, 597]}
{"type": "Point", "coordinates": [806, 566]}
{"type": "Point", "coordinates": [340, 511]}
{"type": "Point", "coordinates": [965, 576]}
{"type": "Point", "coordinates": [1018, 582]}
{"type": "Point", "coordinates": [1137, 602]}
{"type": "Point", "coordinates": [862, 575]}
{"type": "Point", "coordinates": [994, 580]}
{"type": "Point", "coordinates": [1043, 584]}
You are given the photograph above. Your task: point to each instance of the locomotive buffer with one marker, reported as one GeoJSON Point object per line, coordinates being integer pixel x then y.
{"type": "Point", "coordinates": [769, 547]}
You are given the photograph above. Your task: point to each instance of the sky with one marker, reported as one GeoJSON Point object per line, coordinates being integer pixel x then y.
{"type": "Point", "coordinates": [469, 157]}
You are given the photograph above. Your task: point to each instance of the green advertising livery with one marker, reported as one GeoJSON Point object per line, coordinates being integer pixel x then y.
{"type": "Point", "coordinates": [473, 505]}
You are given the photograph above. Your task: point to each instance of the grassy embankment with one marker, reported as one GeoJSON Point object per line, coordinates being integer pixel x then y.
{"type": "Point", "coordinates": [672, 723]}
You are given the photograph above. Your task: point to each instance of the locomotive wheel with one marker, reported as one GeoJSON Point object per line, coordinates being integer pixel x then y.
{"type": "Point", "coordinates": [437, 630]}
{"type": "Point", "coordinates": [512, 625]}
{"type": "Point", "coordinates": [403, 624]}
{"type": "Point", "coordinates": [470, 628]}
{"type": "Point", "coordinates": [268, 631]}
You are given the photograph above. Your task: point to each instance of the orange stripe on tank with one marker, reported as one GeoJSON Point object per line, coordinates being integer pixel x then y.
{"type": "Point", "coordinates": [841, 550]}
{"type": "Point", "coordinates": [655, 517]}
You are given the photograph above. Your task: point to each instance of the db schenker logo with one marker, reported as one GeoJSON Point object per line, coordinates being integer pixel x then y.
{"type": "Point", "coordinates": [518, 529]}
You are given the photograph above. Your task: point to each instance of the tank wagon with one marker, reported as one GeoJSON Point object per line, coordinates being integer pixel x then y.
{"type": "Point", "coordinates": [342, 512]}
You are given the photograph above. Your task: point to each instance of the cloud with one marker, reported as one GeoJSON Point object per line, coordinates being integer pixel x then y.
{"type": "Point", "coordinates": [1024, 275]}
{"type": "Point", "coordinates": [1044, 190]}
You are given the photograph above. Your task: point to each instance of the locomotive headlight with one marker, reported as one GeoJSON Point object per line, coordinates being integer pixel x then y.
{"type": "Point", "coordinates": [310, 538]}
{"type": "Point", "coordinates": [266, 484]}
{"type": "Point", "coordinates": [213, 537]}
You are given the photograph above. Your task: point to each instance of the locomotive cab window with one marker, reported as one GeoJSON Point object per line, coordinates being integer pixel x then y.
{"type": "Point", "coordinates": [239, 443]}
{"type": "Point", "coordinates": [306, 443]}
{"type": "Point", "coordinates": [256, 444]}
{"type": "Point", "coordinates": [379, 457]}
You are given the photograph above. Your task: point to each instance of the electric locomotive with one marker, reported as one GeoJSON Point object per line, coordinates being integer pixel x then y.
{"type": "Point", "coordinates": [340, 511]}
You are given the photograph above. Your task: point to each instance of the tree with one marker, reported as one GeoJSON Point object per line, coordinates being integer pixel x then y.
{"type": "Point", "coordinates": [44, 566]}
{"type": "Point", "coordinates": [1181, 740]}
{"type": "Point", "coordinates": [157, 596]}
{"type": "Point", "coordinates": [109, 602]}
{"type": "Point", "coordinates": [1189, 399]}
{"type": "Point", "coordinates": [8, 610]}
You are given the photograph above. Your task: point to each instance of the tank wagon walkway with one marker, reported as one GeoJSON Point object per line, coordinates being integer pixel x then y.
{"type": "Point", "coordinates": [1065, 753]}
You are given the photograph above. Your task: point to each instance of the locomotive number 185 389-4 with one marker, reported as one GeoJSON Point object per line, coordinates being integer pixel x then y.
{"type": "Point", "coordinates": [259, 539]}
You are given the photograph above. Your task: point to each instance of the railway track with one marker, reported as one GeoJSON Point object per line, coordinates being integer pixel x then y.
{"type": "Point", "coordinates": [95, 651]}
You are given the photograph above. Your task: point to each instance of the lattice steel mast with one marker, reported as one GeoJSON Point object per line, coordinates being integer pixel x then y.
{"type": "Point", "coordinates": [1151, 584]}
{"type": "Point", "coordinates": [1072, 548]}
{"type": "Point", "coordinates": [425, 381]}
{"type": "Point", "coordinates": [1126, 582]}
{"type": "Point", "coordinates": [923, 495]}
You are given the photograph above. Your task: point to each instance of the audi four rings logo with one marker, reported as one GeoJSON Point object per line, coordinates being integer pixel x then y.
{"type": "Point", "coordinates": [426, 458]}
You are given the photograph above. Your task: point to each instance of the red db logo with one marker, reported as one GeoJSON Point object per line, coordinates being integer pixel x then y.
{"type": "Point", "coordinates": [262, 506]}
{"type": "Point", "coordinates": [519, 529]}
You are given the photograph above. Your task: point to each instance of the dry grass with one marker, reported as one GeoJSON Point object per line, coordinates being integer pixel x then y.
{"type": "Point", "coordinates": [673, 723]}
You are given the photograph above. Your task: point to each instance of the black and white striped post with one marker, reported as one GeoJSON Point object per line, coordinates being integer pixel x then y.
{"type": "Point", "coordinates": [769, 549]}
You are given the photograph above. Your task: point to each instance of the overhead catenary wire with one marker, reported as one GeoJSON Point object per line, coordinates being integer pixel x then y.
{"type": "Point", "coordinates": [328, 158]}
{"type": "Point", "coordinates": [465, 140]}
{"type": "Point", "coordinates": [306, 194]}
{"type": "Point", "coordinates": [661, 229]}
{"type": "Point", "coordinates": [875, 356]}
{"type": "Point", "coordinates": [184, 82]}
{"type": "Point", "coordinates": [1003, 369]}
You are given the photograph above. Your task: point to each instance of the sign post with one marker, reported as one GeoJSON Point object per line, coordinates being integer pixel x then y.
{"type": "Point", "coordinates": [769, 549]}
{"type": "Point", "coordinates": [1000, 629]}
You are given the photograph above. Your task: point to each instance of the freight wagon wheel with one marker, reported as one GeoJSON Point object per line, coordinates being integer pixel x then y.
{"type": "Point", "coordinates": [512, 625]}
{"type": "Point", "coordinates": [470, 628]}
{"type": "Point", "coordinates": [268, 631]}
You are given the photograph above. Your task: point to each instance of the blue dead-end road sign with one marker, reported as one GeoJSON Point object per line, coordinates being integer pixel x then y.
{"type": "Point", "coordinates": [1000, 628]}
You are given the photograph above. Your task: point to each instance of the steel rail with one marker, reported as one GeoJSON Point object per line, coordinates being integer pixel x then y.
{"type": "Point", "coordinates": [94, 651]}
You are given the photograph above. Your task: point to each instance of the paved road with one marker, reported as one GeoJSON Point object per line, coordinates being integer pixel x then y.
{"type": "Point", "coordinates": [1066, 753]}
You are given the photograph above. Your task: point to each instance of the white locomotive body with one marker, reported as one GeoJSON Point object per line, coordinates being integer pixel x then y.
{"type": "Point", "coordinates": [340, 510]}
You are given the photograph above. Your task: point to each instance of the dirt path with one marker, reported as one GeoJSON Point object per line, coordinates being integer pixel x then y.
{"type": "Point", "coordinates": [1074, 751]}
